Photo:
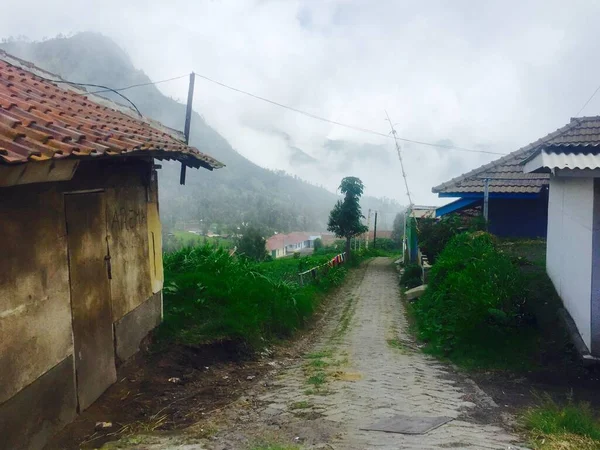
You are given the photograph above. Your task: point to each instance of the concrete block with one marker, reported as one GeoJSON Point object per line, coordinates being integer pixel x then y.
{"type": "Point", "coordinates": [131, 329]}
{"type": "Point", "coordinates": [34, 414]}
{"type": "Point", "coordinates": [414, 293]}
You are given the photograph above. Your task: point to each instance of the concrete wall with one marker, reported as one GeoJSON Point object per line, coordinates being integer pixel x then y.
{"type": "Point", "coordinates": [35, 308]}
{"type": "Point", "coordinates": [569, 248]}
{"type": "Point", "coordinates": [36, 340]}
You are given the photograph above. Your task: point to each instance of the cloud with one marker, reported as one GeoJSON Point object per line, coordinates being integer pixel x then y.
{"type": "Point", "coordinates": [490, 75]}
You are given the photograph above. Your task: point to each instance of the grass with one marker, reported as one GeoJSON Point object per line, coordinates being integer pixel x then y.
{"type": "Point", "coordinates": [318, 379]}
{"type": "Point", "coordinates": [395, 343]}
{"type": "Point", "coordinates": [551, 426]}
{"type": "Point", "coordinates": [273, 446]}
{"type": "Point", "coordinates": [300, 405]}
{"type": "Point", "coordinates": [210, 296]}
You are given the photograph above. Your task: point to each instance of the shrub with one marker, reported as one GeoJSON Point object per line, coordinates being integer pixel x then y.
{"type": "Point", "coordinates": [318, 244]}
{"type": "Point", "coordinates": [434, 234]}
{"type": "Point", "coordinates": [412, 276]}
{"type": "Point", "coordinates": [474, 290]}
{"type": "Point", "coordinates": [210, 295]}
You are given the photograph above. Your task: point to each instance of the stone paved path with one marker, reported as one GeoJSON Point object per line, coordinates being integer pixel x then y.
{"type": "Point", "coordinates": [372, 370]}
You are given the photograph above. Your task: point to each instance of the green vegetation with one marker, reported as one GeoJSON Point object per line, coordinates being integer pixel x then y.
{"type": "Point", "coordinates": [395, 343]}
{"type": "Point", "coordinates": [571, 426]}
{"type": "Point", "coordinates": [435, 234]}
{"type": "Point", "coordinates": [300, 405]}
{"type": "Point", "coordinates": [273, 446]}
{"type": "Point", "coordinates": [474, 310]}
{"type": "Point", "coordinates": [344, 218]}
{"type": "Point", "coordinates": [209, 295]}
{"type": "Point", "coordinates": [411, 277]}
{"type": "Point", "coordinates": [252, 244]}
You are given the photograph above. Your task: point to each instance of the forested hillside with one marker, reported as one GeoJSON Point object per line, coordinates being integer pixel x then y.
{"type": "Point", "coordinates": [241, 192]}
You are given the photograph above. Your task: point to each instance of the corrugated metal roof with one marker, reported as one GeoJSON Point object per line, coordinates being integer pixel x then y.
{"type": "Point", "coordinates": [42, 120]}
{"type": "Point", "coordinates": [506, 173]}
{"type": "Point", "coordinates": [550, 159]}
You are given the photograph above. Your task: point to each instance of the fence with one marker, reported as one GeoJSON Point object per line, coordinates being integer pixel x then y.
{"type": "Point", "coordinates": [313, 273]}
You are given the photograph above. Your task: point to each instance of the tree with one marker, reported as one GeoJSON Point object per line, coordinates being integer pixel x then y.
{"type": "Point", "coordinates": [318, 244]}
{"type": "Point", "coordinates": [344, 218]}
{"type": "Point", "coordinates": [252, 244]}
{"type": "Point", "coordinates": [398, 228]}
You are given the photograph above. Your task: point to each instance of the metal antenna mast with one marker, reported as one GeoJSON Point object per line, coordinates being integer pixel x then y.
{"type": "Point", "coordinates": [401, 161]}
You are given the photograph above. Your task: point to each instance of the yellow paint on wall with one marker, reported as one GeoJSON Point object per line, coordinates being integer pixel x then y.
{"type": "Point", "coordinates": [155, 253]}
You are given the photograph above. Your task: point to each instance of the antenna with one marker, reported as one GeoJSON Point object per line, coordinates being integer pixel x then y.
{"type": "Point", "coordinates": [401, 161]}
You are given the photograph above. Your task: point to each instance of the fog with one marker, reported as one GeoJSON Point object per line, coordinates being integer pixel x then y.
{"type": "Point", "coordinates": [488, 76]}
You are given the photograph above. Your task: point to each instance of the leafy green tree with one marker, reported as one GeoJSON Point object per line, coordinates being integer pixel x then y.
{"type": "Point", "coordinates": [252, 244]}
{"type": "Point", "coordinates": [344, 218]}
{"type": "Point", "coordinates": [318, 244]}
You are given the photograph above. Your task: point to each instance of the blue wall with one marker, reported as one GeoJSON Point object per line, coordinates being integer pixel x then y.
{"type": "Point", "coordinates": [515, 217]}
{"type": "Point", "coordinates": [510, 215]}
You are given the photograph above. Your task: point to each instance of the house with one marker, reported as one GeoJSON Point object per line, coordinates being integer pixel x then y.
{"type": "Point", "coordinates": [280, 245]}
{"type": "Point", "coordinates": [81, 268]}
{"type": "Point", "coordinates": [517, 201]}
{"type": "Point", "coordinates": [413, 214]}
{"type": "Point", "coordinates": [572, 163]}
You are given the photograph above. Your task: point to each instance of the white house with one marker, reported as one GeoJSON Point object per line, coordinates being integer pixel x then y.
{"type": "Point", "coordinates": [573, 243]}
{"type": "Point", "coordinates": [284, 244]}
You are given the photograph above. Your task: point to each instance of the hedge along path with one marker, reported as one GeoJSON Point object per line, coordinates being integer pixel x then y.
{"type": "Point", "coordinates": [366, 379]}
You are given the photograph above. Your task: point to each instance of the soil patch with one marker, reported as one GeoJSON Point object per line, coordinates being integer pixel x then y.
{"type": "Point", "coordinates": [164, 391]}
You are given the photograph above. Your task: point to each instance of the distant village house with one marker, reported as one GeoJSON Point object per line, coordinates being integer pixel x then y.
{"type": "Point", "coordinates": [81, 267]}
{"type": "Point", "coordinates": [280, 245]}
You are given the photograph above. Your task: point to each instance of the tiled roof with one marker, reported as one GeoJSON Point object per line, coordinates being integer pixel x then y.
{"type": "Point", "coordinates": [42, 120]}
{"type": "Point", "coordinates": [283, 240]}
{"type": "Point", "coordinates": [506, 174]}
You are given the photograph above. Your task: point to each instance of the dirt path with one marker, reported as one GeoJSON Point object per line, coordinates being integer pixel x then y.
{"type": "Point", "coordinates": [362, 368]}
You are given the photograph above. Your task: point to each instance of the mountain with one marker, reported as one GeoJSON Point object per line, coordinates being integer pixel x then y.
{"type": "Point", "coordinates": [241, 192]}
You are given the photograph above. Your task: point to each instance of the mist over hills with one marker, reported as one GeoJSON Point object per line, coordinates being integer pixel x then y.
{"type": "Point", "coordinates": [242, 192]}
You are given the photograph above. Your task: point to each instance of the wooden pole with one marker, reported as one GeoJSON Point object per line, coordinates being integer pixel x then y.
{"type": "Point", "coordinates": [188, 121]}
{"type": "Point", "coordinates": [375, 232]}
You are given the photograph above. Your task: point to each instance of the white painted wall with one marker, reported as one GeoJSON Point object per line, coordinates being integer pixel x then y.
{"type": "Point", "coordinates": [569, 248]}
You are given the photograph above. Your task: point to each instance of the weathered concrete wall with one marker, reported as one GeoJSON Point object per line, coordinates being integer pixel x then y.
{"type": "Point", "coordinates": [37, 378]}
{"type": "Point", "coordinates": [29, 418]}
{"type": "Point", "coordinates": [127, 212]}
{"type": "Point", "coordinates": [155, 238]}
{"type": "Point", "coordinates": [135, 326]}
{"type": "Point", "coordinates": [569, 252]}
{"type": "Point", "coordinates": [35, 310]}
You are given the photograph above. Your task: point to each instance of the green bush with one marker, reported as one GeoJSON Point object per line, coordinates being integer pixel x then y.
{"type": "Point", "coordinates": [435, 234]}
{"type": "Point", "coordinates": [474, 292]}
{"type": "Point", "coordinates": [412, 276]}
{"type": "Point", "coordinates": [210, 295]}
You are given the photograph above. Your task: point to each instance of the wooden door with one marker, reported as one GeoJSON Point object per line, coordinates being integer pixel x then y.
{"type": "Point", "coordinates": [90, 296]}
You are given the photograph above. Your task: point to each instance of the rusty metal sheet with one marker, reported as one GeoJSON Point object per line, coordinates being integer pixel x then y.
{"type": "Point", "coordinates": [90, 296]}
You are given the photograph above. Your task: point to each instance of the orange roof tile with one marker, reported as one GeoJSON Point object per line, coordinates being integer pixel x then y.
{"type": "Point", "coordinates": [41, 120]}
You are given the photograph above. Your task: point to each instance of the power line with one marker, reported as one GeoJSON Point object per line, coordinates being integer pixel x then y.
{"type": "Point", "coordinates": [91, 85]}
{"type": "Point", "coordinates": [353, 127]}
{"type": "Point", "coordinates": [137, 85]}
{"type": "Point", "coordinates": [588, 100]}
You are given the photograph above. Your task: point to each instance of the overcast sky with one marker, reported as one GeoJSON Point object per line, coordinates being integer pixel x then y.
{"type": "Point", "coordinates": [491, 75]}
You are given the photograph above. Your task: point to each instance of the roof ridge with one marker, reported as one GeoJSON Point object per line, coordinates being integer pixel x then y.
{"type": "Point", "coordinates": [573, 123]}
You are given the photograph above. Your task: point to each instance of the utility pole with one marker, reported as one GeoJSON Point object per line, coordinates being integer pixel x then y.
{"type": "Point", "coordinates": [188, 121]}
{"type": "Point", "coordinates": [368, 228]}
{"type": "Point", "coordinates": [375, 232]}
{"type": "Point", "coordinates": [486, 198]}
